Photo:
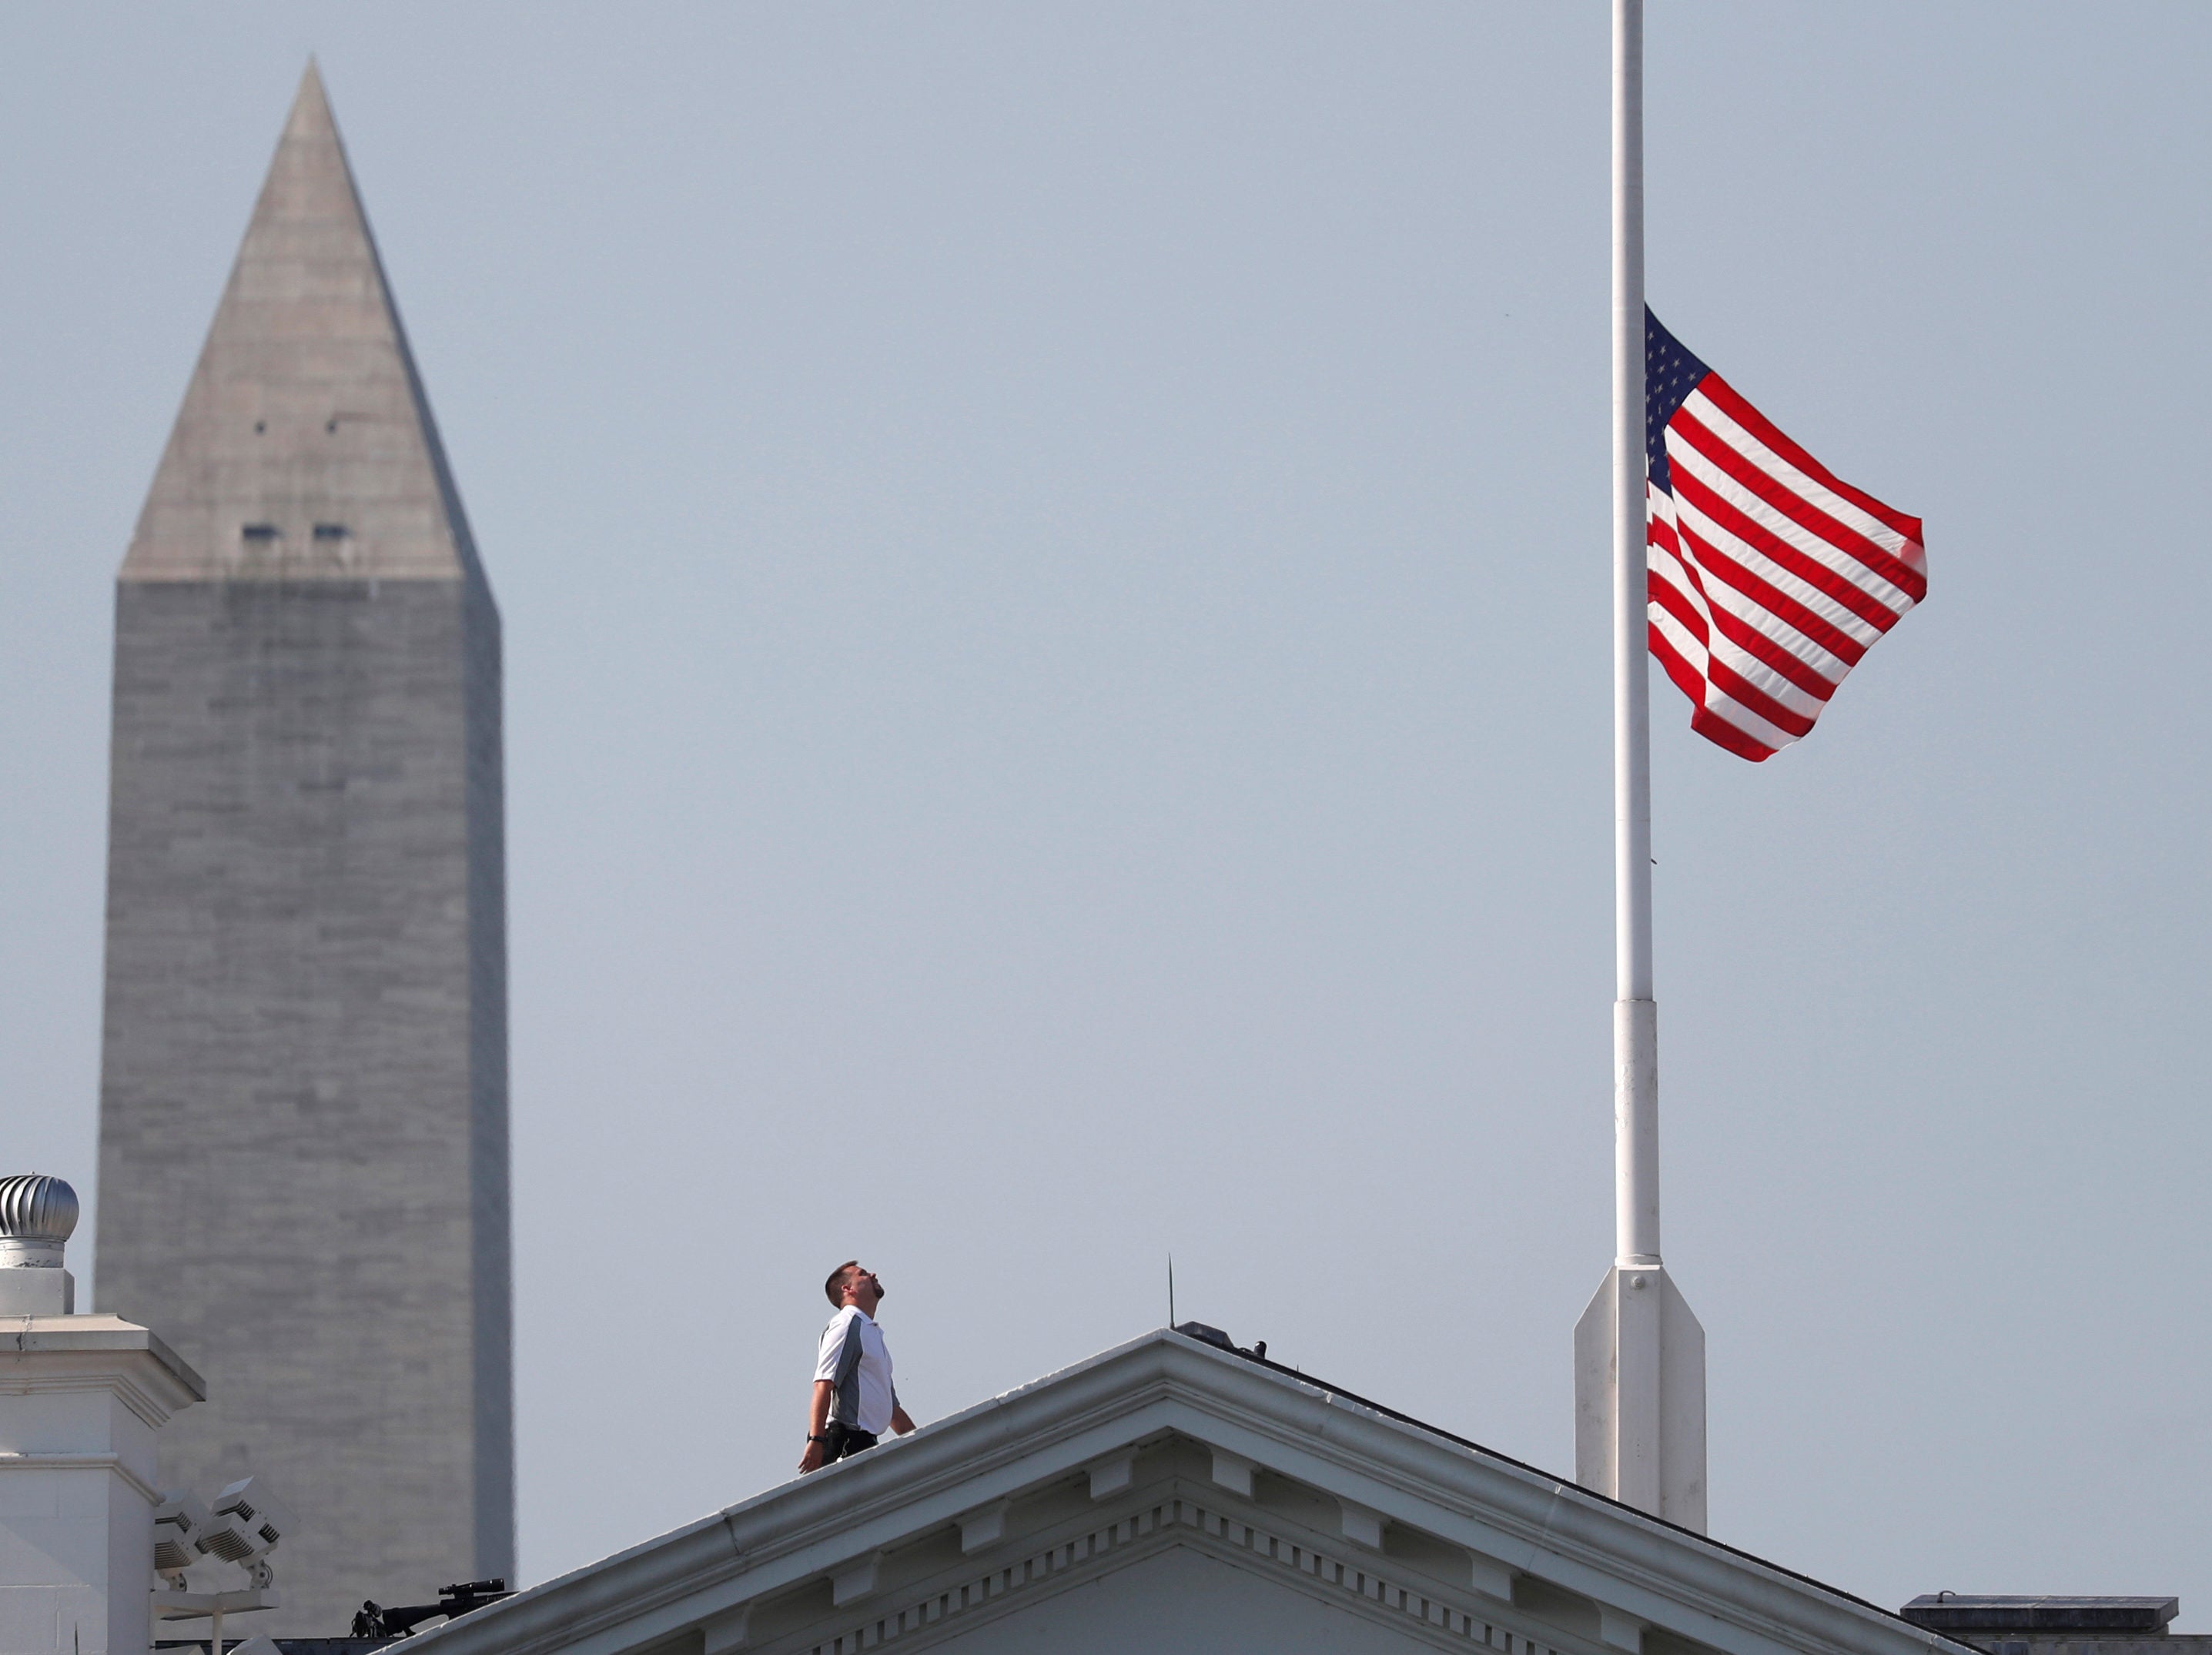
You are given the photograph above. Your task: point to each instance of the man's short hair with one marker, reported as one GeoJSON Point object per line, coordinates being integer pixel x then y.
{"type": "Point", "coordinates": [831, 1287]}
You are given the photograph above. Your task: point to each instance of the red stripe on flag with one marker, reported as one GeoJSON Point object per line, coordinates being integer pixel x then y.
{"type": "Point", "coordinates": [1771, 654]}
{"type": "Point", "coordinates": [1687, 678]}
{"type": "Point", "coordinates": [1777, 603]}
{"type": "Point", "coordinates": [1875, 563]}
{"type": "Point", "coordinates": [1670, 598]}
{"type": "Point", "coordinates": [1740, 690]}
{"type": "Point", "coordinates": [1731, 402]}
{"type": "Point", "coordinates": [1746, 474]}
{"type": "Point", "coordinates": [1719, 731]}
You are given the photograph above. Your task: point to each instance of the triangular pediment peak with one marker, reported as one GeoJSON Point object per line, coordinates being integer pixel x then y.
{"type": "Point", "coordinates": [1167, 1443]}
{"type": "Point", "coordinates": [1011, 1557]}
{"type": "Point", "coordinates": [304, 449]}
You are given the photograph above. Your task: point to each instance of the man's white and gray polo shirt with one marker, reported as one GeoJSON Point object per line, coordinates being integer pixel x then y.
{"type": "Point", "coordinates": [855, 1361]}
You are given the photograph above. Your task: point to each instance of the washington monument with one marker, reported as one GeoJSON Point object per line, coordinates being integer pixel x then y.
{"type": "Point", "coordinates": [303, 1162]}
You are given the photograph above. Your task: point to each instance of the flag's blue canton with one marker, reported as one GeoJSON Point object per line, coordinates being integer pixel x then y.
{"type": "Point", "coordinates": [1670, 375]}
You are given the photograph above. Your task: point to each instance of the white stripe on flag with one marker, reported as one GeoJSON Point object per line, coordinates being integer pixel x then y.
{"type": "Point", "coordinates": [1791, 533]}
{"type": "Point", "coordinates": [1799, 483]}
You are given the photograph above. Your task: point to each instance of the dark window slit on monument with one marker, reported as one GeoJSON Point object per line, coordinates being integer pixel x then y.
{"type": "Point", "coordinates": [331, 531]}
{"type": "Point", "coordinates": [258, 530]}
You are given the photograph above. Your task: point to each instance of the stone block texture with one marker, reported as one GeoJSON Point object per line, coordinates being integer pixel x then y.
{"type": "Point", "coordinates": [303, 1176]}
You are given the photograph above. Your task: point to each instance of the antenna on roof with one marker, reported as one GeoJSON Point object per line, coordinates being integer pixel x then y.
{"type": "Point", "coordinates": [1171, 1321]}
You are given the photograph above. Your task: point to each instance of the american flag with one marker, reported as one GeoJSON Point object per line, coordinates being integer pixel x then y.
{"type": "Point", "coordinates": [1769, 576]}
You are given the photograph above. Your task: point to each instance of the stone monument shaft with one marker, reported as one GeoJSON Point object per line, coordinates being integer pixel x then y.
{"type": "Point", "coordinates": [303, 1171]}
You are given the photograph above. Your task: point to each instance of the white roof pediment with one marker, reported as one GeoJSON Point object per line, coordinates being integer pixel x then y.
{"type": "Point", "coordinates": [1204, 1488]}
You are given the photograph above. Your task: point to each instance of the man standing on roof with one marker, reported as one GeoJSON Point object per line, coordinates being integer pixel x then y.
{"type": "Point", "coordinates": [854, 1400]}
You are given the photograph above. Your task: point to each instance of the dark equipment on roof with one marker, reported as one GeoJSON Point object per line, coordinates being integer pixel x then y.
{"type": "Point", "coordinates": [1954, 1612]}
{"type": "Point", "coordinates": [454, 1602]}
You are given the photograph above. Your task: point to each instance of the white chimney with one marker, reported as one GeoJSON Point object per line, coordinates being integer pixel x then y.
{"type": "Point", "coordinates": [81, 1398]}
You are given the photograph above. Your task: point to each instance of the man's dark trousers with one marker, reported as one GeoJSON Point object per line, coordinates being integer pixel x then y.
{"type": "Point", "coordinates": [841, 1441]}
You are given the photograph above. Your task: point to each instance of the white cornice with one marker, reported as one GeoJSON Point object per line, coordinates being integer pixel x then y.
{"type": "Point", "coordinates": [65, 1353]}
{"type": "Point", "coordinates": [11, 1461]}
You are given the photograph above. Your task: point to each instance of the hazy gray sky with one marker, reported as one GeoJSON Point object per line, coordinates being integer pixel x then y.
{"type": "Point", "coordinates": [1055, 569]}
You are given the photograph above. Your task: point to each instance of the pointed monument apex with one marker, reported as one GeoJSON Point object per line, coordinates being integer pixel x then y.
{"type": "Point", "coordinates": [305, 449]}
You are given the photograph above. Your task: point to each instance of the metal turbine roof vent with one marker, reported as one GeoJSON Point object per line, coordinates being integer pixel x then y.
{"type": "Point", "coordinates": [38, 1215]}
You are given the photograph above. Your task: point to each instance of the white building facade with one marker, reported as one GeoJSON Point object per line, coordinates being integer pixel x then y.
{"type": "Point", "coordinates": [81, 1399]}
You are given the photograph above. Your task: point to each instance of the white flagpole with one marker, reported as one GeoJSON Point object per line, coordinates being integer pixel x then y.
{"type": "Point", "coordinates": [1635, 1030]}
{"type": "Point", "coordinates": [1639, 1353]}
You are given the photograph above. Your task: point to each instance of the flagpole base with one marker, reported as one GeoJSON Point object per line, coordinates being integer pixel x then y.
{"type": "Point", "coordinates": [1640, 1395]}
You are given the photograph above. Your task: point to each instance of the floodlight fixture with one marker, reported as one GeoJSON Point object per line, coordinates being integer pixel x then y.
{"type": "Point", "coordinates": [179, 1522]}
{"type": "Point", "coordinates": [247, 1524]}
